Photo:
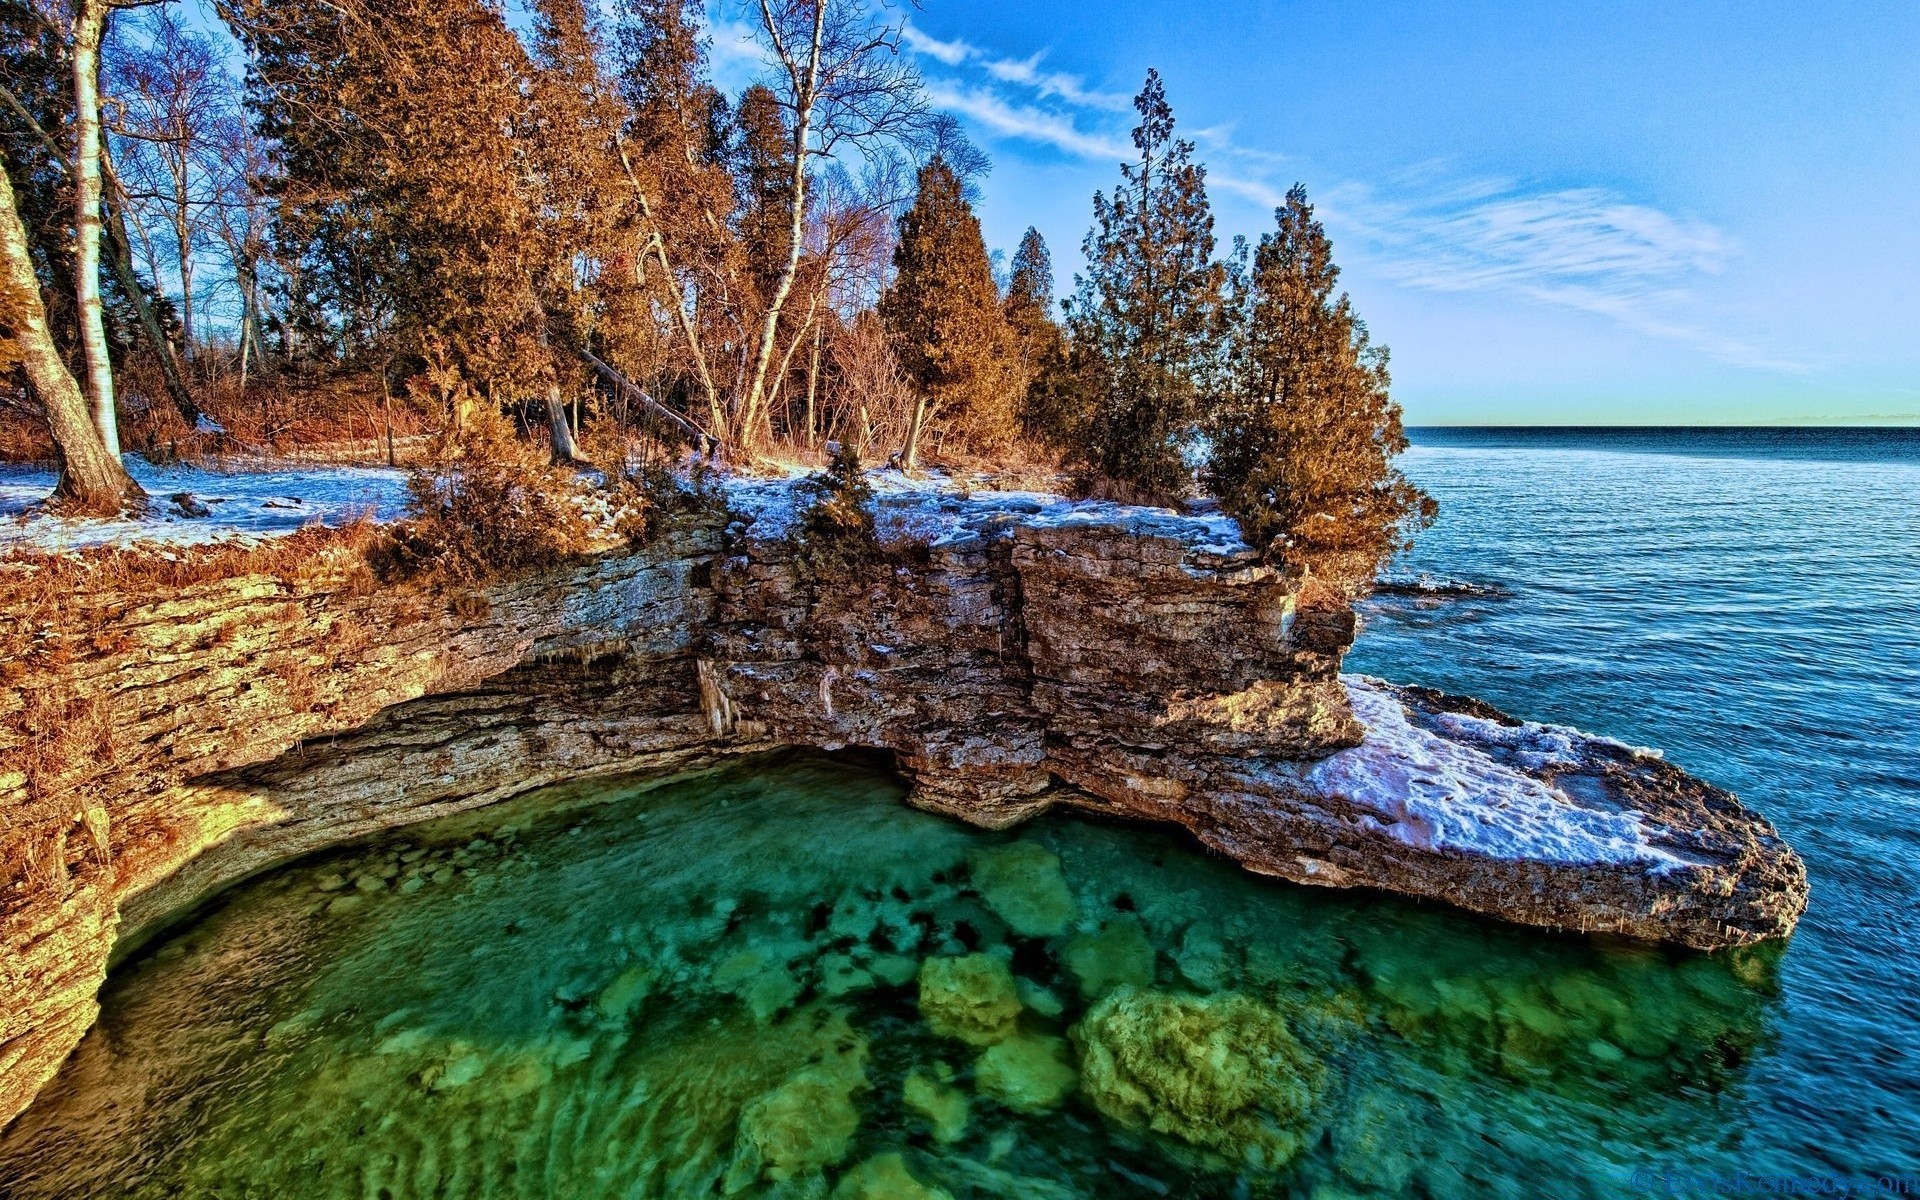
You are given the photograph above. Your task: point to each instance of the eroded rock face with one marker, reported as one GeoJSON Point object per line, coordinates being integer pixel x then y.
{"type": "Point", "coordinates": [1013, 651]}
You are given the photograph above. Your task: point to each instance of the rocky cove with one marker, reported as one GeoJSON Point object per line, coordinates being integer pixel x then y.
{"type": "Point", "coordinates": [1010, 653]}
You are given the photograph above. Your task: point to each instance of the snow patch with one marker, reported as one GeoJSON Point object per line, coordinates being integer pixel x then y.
{"type": "Point", "coordinates": [240, 506]}
{"type": "Point", "coordinates": [1465, 786]}
{"type": "Point", "coordinates": [940, 512]}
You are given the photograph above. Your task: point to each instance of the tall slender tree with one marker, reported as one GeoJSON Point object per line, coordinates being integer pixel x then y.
{"type": "Point", "coordinates": [943, 315]}
{"type": "Point", "coordinates": [1049, 404]}
{"type": "Point", "coordinates": [1145, 310]}
{"type": "Point", "coordinates": [1301, 445]}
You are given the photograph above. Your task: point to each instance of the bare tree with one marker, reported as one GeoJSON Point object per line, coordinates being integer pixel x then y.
{"type": "Point", "coordinates": [845, 87]}
{"type": "Point", "coordinates": [169, 92]}
{"type": "Point", "coordinates": [92, 479]}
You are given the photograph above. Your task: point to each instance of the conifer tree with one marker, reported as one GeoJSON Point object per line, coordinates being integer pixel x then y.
{"type": "Point", "coordinates": [1301, 446]}
{"type": "Point", "coordinates": [1049, 405]}
{"type": "Point", "coordinates": [943, 316]}
{"type": "Point", "coordinates": [1145, 311]}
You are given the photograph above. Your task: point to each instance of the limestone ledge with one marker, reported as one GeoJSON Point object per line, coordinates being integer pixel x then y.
{"type": "Point", "coordinates": [1012, 651]}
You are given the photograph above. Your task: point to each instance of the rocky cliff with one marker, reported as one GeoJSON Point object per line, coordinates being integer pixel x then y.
{"type": "Point", "coordinates": [1012, 651]}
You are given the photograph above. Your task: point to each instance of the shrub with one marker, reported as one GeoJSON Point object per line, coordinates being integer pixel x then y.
{"type": "Point", "coordinates": [836, 536]}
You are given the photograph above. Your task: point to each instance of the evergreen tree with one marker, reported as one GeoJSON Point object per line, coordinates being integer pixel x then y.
{"type": "Point", "coordinates": [1049, 407]}
{"type": "Point", "coordinates": [1144, 314]}
{"type": "Point", "coordinates": [943, 316]}
{"type": "Point", "coordinates": [1301, 446]}
{"type": "Point", "coordinates": [763, 175]}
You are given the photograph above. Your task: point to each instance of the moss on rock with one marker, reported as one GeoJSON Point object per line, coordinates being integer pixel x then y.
{"type": "Point", "coordinates": [1021, 882]}
{"type": "Point", "coordinates": [1220, 1072]}
{"type": "Point", "coordinates": [1027, 1072]}
{"type": "Point", "coordinates": [1119, 954]}
{"type": "Point", "coordinates": [971, 997]}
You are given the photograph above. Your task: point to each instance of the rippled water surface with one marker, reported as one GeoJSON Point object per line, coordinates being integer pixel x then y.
{"type": "Point", "coordinates": [777, 980]}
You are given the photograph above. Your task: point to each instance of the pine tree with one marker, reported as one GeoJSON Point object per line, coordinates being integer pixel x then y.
{"type": "Point", "coordinates": [1301, 446]}
{"type": "Point", "coordinates": [763, 175]}
{"type": "Point", "coordinates": [943, 316]}
{"type": "Point", "coordinates": [1145, 311]}
{"type": "Point", "coordinates": [1050, 405]}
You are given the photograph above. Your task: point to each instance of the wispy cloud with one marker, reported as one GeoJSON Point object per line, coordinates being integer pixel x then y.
{"type": "Point", "coordinates": [1430, 227]}
{"type": "Point", "coordinates": [1027, 122]}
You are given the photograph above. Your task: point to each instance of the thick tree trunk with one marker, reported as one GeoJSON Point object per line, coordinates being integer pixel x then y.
{"type": "Point", "coordinates": [565, 449]}
{"type": "Point", "coordinates": [91, 479]}
{"type": "Point", "coordinates": [89, 25]}
{"type": "Point", "coordinates": [910, 455]}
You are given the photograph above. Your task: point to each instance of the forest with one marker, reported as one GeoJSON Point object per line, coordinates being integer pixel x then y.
{"type": "Point", "coordinates": [516, 249]}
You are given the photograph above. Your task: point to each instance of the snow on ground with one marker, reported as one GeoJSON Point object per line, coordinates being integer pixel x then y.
{"type": "Point", "coordinates": [939, 511]}
{"type": "Point", "coordinates": [1465, 786]}
{"type": "Point", "coordinates": [238, 505]}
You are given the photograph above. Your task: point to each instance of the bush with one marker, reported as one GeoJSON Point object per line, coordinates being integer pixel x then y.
{"type": "Point", "coordinates": [836, 535]}
{"type": "Point", "coordinates": [487, 506]}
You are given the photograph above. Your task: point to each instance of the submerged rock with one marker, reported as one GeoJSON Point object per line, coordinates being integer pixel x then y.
{"type": "Point", "coordinates": [1028, 1072]}
{"type": "Point", "coordinates": [1119, 954]}
{"type": "Point", "coordinates": [928, 1092]}
{"type": "Point", "coordinates": [885, 1177]}
{"type": "Point", "coordinates": [1021, 882]}
{"type": "Point", "coordinates": [1220, 1072]}
{"type": "Point", "coordinates": [971, 997]}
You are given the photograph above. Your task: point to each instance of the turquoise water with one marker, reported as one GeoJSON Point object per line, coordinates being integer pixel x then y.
{"type": "Point", "coordinates": [777, 980]}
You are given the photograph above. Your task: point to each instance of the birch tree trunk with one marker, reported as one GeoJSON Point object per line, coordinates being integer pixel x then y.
{"type": "Point", "coordinates": [91, 479]}
{"type": "Point", "coordinates": [806, 92]}
{"type": "Point", "coordinates": [89, 26]}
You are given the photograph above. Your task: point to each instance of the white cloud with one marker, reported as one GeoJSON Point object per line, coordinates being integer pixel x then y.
{"type": "Point", "coordinates": [1024, 121]}
{"type": "Point", "coordinates": [920, 42]}
{"type": "Point", "coordinates": [1055, 84]}
{"type": "Point", "coordinates": [1427, 227]}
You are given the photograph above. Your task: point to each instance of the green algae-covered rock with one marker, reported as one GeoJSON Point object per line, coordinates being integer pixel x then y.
{"type": "Point", "coordinates": [1022, 884]}
{"type": "Point", "coordinates": [885, 1177]}
{"type": "Point", "coordinates": [1220, 1072]}
{"type": "Point", "coordinates": [1027, 1072]}
{"type": "Point", "coordinates": [946, 1108]}
{"type": "Point", "coordinates": [806, 1124]}
{"type": "Point", "coordinates": [1117, 955]}
{"type": "Point", "coordinates": [971, 997]}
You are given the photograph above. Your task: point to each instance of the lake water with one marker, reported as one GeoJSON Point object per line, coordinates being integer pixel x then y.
{"type": "Point", "coordinates": [776, 980]}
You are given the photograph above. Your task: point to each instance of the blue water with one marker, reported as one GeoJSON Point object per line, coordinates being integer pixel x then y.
{"type": "Point", "coordinates": [1749, 600]}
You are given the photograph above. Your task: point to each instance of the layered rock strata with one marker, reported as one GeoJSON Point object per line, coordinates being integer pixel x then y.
{"type": "Point", "coordinates": [1012, 651]}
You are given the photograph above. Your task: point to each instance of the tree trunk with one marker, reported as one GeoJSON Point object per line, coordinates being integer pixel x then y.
{"type": "Point", "coordinates": [702, 442]}
{"type": "Point", "coordinates": [806, 94]}
{"type": "Point", "coordinates": [658, 246]}
{"type": "Point", "coordinates": [89, 25]}
{"type": "Point", "coordinates": [565, 449]}
{"type": "Point", "coordinates": [910, 456]}
{"type": "Point", "coordinates": [813, 384]}
{"type": "Point", "coordinates": [91, 479]}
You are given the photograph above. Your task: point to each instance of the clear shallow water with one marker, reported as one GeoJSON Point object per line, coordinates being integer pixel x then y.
{"type": "Point", "coordinates": [777, 980]}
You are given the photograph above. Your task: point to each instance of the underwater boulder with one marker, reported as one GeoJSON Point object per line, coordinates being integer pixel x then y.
{"type": "Point", "coordinates": [1117, 955]}
{"type": "Point", "coordinates": [971, 997]}
{"type": "Point", "coordinates": [1220, 1072]}
{"type": "Point", "coordinates": [1021, 882]}
{"type": "Point", "coordinates": [885, 1177]}
{"type": "Point", "coordinates": [945, 1108]}
{"type": "Point", "coordinates": [1028, 1072]}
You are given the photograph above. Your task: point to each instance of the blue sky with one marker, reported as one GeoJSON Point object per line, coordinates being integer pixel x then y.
{"type": "Point", "coordinates": [1552, 212]}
